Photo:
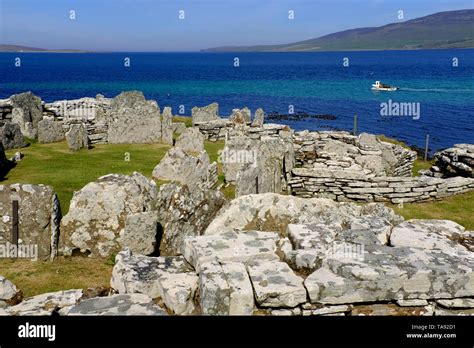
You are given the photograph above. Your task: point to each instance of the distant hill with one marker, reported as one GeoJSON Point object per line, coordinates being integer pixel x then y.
{"type": "Point", "coordinates": [16, 48]}
{"type": "Point", "coordinates": [451, 29]}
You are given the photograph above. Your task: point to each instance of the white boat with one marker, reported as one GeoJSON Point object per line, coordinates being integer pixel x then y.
{"type": "Point", "coordinates": [381, 87]}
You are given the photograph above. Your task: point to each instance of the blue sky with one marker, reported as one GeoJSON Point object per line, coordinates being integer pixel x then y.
{"type": "Point", "coordinates": [153, 25]}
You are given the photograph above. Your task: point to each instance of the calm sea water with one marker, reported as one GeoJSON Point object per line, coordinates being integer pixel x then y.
{"type": "Point", "coordinates": [315, 83]}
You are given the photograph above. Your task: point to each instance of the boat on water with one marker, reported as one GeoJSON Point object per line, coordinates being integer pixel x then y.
{"type": "Point", "coordinates": [378, 86]}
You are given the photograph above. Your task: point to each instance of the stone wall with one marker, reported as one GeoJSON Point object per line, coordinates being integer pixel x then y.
{"type": "Point", "coordinates": [352, 186]}
{"type": "Point", "coordinates": [341, 150]}
{"type": "Point", "coordinates": [220, 129]}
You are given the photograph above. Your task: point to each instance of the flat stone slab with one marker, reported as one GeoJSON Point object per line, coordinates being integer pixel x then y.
{"type": "Point", "coordinates": [170, 278]}
{"type": "Point", "coordinates": [129, 304]}
{"type": "Point", "coordinates": [388, 273]}
{"type": "Point", "coordinates": [444, 235]}
{"type": "Point", "coordinates": [230, 246]}
{"type": "Point", "coordinates": [225, 289]}
{"type": "Point", "coordinates": [46, 304]}
{"type": "Point", "coordinates": [457, 303]}
{"type": "Point", "coordinates": [276, 285]}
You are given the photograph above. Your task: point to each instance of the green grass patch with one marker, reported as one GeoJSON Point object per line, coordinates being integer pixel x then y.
{"type": "Point", "coordinates": [187, 120]}
{"type": "Point", "coordinates": [66, 171]}
{"type": "Point", "coordinates": [386, 139]}
{"type": "Point", "coordinates": [458, 208]}
{"type": "Point", "coordinates": [420, 164]}
{"type": "Point", "coordinates": [39, 277]}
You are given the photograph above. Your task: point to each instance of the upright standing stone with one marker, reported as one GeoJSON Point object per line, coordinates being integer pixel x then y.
{"type": "Point", "coordinates": [247, 114]}
{"type": "Point", "coordinates": [191, 140]}
{"type": "Point", "coordinates": [11, 136]}
{"type": "Point", "coordinates": [259, 117]}
{"type": "Point", "coordinates": [238, 117]}
{"type": "Point", "coordinates": [205, 113]}
{"type": "Point", "coordinates": [27, 112]}
{"type": "Point", "coordinates": [76, 137]}
{"type": "Point", "coordinates": [50, 131]}
{"type": "Point", "coordinates": [133, 120]}
{"type": "Point", "coordinates": [167, 126]}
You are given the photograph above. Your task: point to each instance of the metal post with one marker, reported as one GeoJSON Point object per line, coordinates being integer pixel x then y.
{"type": "Point", "coordinates": [355, 125]}
{"type": "Point", "coordinates": [15, 223]}
{"type": "Point", "coordinates": [426, 146]}
{"type": "Point", "coordinates": [256, 184]}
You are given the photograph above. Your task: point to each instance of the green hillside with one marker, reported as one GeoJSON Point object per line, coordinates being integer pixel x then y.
{"type": "Point", "coordinates": [452, 29]}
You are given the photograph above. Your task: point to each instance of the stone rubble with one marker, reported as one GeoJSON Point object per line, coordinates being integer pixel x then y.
{"type": "Point", "coordinates": [170, 278]}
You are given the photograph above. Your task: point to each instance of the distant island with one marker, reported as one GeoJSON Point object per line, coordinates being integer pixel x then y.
{"type": "Point", "coordinates": [450, 29]}
{"type": "Point", "coordinates": [17, 48]}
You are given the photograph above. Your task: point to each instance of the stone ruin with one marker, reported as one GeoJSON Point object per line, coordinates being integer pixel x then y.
{"type": "Point", "coordinates": [260, 158]}
{"type": "Point", "coordinates": [344, 167]}
{"type": "Point", "coordinates": [268, 254]}
{"type": "Point", "coordinates": [455, 161]}
{"type": "Point", "coordinates": [127, 118]}
{"type": "Point", "coordinates": [262, 253]}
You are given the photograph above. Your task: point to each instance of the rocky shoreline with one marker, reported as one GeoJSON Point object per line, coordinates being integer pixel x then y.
{"type": "Point", "coordinates": [307, 233]}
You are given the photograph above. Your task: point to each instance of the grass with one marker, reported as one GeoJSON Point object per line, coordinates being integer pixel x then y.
{"type": "Point", "coordinates": [67, 171]}
{"type": "Point", "coordinates": [187, 120]}
{"type": "Point", "coordinates": [40, 277]}
{"type": "Point", "coordinates": [458, 208]}
{"type": "Point", "coordinates": [419, 163]}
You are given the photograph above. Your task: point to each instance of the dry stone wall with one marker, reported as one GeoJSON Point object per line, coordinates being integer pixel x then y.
{"type": "Point", "coordinates": [353, 186]}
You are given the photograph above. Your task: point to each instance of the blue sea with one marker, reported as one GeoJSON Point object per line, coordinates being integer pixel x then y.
{"type": "Point", "coordinates": [314, 83]}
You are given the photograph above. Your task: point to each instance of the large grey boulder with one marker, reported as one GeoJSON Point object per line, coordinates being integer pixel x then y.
{"type": "Point", "coordinates": [170, 278]}
{"type": "Point", "coordinates": [115, 305]}
{"type": "Point", "coordinates": [191, 140]}
{"type": "Point", "coordinates": [76, 137]}
{"type": "Point", "coordinates": [183, 167]}
{"type": "Point", "coordinates": [205, 113]}
{"type": "Point", "coordinates": [9, 293]}
{"type": "Point", "coordinates": [273, 212]}
{"type": "Point", "coordinates": [51, 131]}
{"type": "Point", "coordinates": [167, 128]}
{"type": "Point", "coordinates": [38, 211]}
{"type": "Point", "coordinates": [98, 212]}
{"type": "Point", "coordinates": [11, 136]}
{"type": "Point", "coordinates": [185, 211]}
{"type": "Point", "coordinates": [132, 119]}
{"type": "Point", "coordinates": [27, 112]}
